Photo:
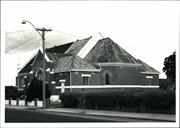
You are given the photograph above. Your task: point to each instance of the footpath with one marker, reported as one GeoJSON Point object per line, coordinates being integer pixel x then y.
{"type": "Point", "coordinates": [115, 114]}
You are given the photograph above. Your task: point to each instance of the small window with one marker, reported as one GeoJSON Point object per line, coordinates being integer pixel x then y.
{"type": "Point", "coordinates": [149, 81]}
{"type": "Point", "coordinates": [85, 80]}
{"type": "Point", "coordinates": [107, 79]}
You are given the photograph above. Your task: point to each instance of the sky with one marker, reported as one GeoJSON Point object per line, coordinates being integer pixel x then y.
{"type": "Point", "coordinates": [147, 30]}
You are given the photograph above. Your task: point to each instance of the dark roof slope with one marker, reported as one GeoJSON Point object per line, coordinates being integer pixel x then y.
{"type": "Point", "coordinates": [77, 46]}
{"type": "Point", "coordinates": [73, 63]}
{"type": "Point", "coordinates": [60, 48]}
{"type": "Point", "coordinates": [146, 67]}
{"type": "Point", "coordinates": [54, 56]}
{"type": "Point", "coordinates": [107, 51]}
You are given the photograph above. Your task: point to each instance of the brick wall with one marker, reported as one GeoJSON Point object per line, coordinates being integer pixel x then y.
{"type": "Point", "coordinates": [62, 76]}
{"type": "Point", "coordinates": [126, 76]}
{"type": "Point", "coordinates": [77, 79]}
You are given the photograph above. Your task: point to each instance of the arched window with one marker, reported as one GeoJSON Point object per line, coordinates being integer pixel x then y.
{"type": "Point", "coordinates": [107, 79]}
{"type": "Point", "coordinates": [39, 74]}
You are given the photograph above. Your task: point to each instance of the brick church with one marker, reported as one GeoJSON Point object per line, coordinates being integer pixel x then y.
{"type": "Point", "coordinates": [85, 64]}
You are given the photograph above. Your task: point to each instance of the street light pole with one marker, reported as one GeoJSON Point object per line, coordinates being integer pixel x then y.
{"type": "Point", "coordinates": [43, 30]}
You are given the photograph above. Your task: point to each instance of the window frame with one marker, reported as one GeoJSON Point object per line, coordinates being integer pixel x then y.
{"type": "Point", "coordinates": [107, 79]}
{"type": "Point", "coordinates": [85, 80]}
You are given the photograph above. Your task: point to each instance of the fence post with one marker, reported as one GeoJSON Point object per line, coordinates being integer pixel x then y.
{"type": "Point", "coordinates": [26, 102]}
{"type": "Point", "coordinates": [35, 102]}
{"type": "Point", "coordinates": [17, 101]}
{"type": "Point", "coordinates": [10, 101]}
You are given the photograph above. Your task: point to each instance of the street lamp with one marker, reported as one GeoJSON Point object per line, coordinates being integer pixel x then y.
{"type": "Point", "coordinates": [42, 34]}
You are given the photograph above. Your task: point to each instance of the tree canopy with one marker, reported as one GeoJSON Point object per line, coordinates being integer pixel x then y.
{"type": "Point", "coordinates": [170, 67]}
{"type": "Point", "coordinates": [11, 92]}
{"type": "Point", "coordinates": [35, 90]}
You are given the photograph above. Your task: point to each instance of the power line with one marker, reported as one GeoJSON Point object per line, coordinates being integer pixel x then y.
{"type": "Point", "coordinates": [22, 41]}
{"type": "Point", "coordinates": [67, 33]}
{"type": "Point", "coordinates": [29, 44]}
{"type": "Point", "coordinates": [19, 42]}
{"type": "Point", "coordinates": [8, 33]}
{"type": "Point", "coordinates": [29, 36]}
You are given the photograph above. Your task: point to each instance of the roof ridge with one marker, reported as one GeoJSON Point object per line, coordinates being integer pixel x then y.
{"type": "Point", "coordinates": [111, 42]}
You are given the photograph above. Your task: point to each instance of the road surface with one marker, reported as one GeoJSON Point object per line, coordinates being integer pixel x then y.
{"type": "Point", "coordinates": [25, 115]}
{"type": "Point", "coordinates": [33, 115]}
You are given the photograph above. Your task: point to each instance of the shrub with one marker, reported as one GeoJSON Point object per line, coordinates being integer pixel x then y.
{"type": "Point", "coordinates": [153, 100]}
{"type": "Point", "coordinates": [157, 98]}
{"type": "Point", "coordinates": [70, 100]}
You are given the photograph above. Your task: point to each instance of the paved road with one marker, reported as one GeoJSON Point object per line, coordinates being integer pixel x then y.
{"type": "Point", "coordinates": [35, 115]}
{"type": "Point", "coordinates": [24, 115]}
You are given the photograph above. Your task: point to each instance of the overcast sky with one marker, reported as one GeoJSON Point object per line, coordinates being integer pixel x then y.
{"type": "Point", "coordinates": [147, 30]}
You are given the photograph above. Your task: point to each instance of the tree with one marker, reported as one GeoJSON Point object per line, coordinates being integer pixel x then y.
{"type": "Point", "coordinates": [170, 68]}
{"type": "Point", "coordinates": [35, 90]}
{"type": "Point", "coordinates": [11, 92]}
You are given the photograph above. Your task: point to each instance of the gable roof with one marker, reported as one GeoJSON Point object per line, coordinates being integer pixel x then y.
{"type": "Point", "coordinates": [27, 66]}
{"type": "Point", "coordinates": [40, 53]}
{"type": "Point", "coordinates": [77, 46]}
{"type": "Point", "coordinates": [106, 50]}
{"type": "Point", "coordinates": [73, 63]}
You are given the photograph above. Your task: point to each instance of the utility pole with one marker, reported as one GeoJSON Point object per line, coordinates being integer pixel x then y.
{"type": "Point", "coordinates": [41, 32]}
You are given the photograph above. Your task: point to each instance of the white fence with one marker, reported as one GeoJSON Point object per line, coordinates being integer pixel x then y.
{"type": "Point", "coordinates": [17, 102]}
{"type": "Point", "coordinates": [108, 86]}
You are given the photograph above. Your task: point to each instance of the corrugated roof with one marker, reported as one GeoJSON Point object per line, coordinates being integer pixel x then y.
{"type": "Point", "coordinates": [77, 46]}
{"type": "Point", "coordinates": [107, 51]}
{"type": "Point", "coordinates": [73, 63]}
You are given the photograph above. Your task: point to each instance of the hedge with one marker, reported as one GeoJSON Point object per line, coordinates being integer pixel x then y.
{"type": "Point", "coordinates": [136, 100]}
